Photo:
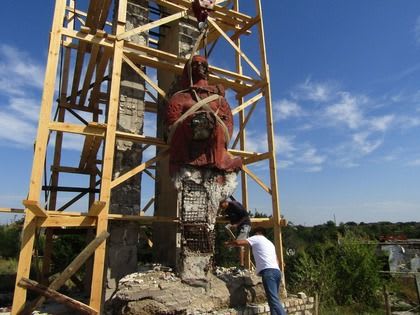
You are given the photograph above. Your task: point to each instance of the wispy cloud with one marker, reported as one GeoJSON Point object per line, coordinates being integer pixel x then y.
{"type": "Point", "coordinates": [18, 72]}
{"type": "Point", "coordinates": [285, 109]}
{"type": "Point", "coordinates": [346, 110]}
{"type": "Point", "coordinates": [15, 131]}
{"type": "Point", "coordinates": [381, 123]}
{"type": "Point", "coordinates": [364, 144]}
{"type": "Point", "coordinates": [415, 162]}
{"type": "Point", "coordinates": [300, 156]}
{"type": "Point", "coordinates": [312, 157]}
{"type": "Point", "coordinates": [284, 146]}
{"type": "Point", "coordinates": [25, 107]}
{"type": "Point", "coordinates": [313, 91]}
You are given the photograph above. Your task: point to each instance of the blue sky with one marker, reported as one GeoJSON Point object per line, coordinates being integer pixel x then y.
{"type": "Point", "coordinates": [345, 84]}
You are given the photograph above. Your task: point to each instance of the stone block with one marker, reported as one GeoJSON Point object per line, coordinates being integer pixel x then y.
{"type": "Point", "coordinates": [301, 295]}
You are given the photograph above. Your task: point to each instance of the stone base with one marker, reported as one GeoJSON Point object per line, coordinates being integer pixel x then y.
{"type": "Point", "coordinates": [230, 291]}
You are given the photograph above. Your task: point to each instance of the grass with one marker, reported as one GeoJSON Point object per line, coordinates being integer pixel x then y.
{"type": "Point", "coordinates": [8, 266]}
{"type": "Point", "coordinates": [355, 309]}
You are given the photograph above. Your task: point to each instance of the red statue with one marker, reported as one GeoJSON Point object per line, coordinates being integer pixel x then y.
{"type": "Point", "coordinates": [201, 9]}
{"type": "Point", "coordinates": [200, 122]}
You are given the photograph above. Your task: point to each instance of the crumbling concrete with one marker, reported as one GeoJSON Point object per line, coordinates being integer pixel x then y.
{"type": "Point", "coordinates": [200, 191]}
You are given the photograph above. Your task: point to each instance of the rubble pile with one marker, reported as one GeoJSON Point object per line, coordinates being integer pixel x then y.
{"type": "Point", "coordinates": [157, 290]}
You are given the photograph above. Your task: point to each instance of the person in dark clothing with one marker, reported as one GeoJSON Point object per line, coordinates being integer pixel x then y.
{"type": "Point", "coordinates": [239, 219]}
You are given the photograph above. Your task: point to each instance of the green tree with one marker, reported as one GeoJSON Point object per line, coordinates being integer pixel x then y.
{"type": "Point", "coordinates": [10, 240]}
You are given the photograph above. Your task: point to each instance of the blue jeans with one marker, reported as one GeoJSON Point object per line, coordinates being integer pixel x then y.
{"type": "Point", "coordinates": [271, 279]}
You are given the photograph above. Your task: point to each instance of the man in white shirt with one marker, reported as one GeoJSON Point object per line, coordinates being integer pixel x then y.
{"type": "Point", "coordinates": [267, 267]}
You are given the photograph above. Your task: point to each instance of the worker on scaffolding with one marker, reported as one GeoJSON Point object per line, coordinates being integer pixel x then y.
{"type": "Point", "coordinates": [239, 219]}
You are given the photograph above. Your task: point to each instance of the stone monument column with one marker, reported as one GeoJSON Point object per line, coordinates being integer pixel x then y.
{"type": "Point", "coordinates": [126, 198]}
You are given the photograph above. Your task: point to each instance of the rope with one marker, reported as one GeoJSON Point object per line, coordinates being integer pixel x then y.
{"type": "Point", "coordinates": [190, 111]}
{"type": "Point", "coordinates": [218, 119]}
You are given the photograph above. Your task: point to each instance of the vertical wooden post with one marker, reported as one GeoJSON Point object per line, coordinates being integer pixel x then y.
{"type": "Point", "coordinates": [270, 137]}
{"type": "Point", "coordinates": [29, 228]}
{"type": "Point", "coordinates": [46, 261]}
{"type": "Point", "coordinates": [242, 141]}
{"type": "Point", "coordinates": [108, 161]}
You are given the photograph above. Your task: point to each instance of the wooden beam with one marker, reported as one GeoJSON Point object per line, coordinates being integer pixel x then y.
{"type": "Point", "coordinates": [56, 296]}
{"type": "Point", "coordinates": [66, 221]}
{"type": "Point", "coordinates": [141, 139]}
{"type": "Point", "coordinates": [35, 207]}
{"type": "Point", "coordinates": [144, 76]}
{"type": "Point", "coordinates": [89, 152]}
{"type": "Point", "coordinates": [89, 73]}
{"type": "Point", "coordinates": [74, 266]}
{"type": "Point", "coordinates": [270, 137]}
{"type": "Point", "coordinates": [68, 169]}
{"type": "Point", "coordinates": [261, 84]}
{"type": "Point", "coordinates": [245, 154]}
{"type": "Point", "coordinates": [150, 107]}
{"type": "Point", "coordinates": [249, 102]}
{"type": "Point", "coordinates": [29, 229]}
{"type": "Point", "coordinates": [245, 28]}
{"type": "Point", "coordinates": [96, 296]}
{"type": "Point", "coordinates": [117, 181]}
{"type": "Point", "coordinates": [100, 71]}
{"type": "Point", "coordinates": [149, 203]}
{"type": "Point", "coordinates": [256, 179]}
{"type": "Point", "coordinates": [218, 28]}
{"type": "Point", "coordinates": [220, 12]}
{"type": "Point", "coordinates": [257, 158]}
{"type": "Point", "coordinates": [93, 129]}
{"type": "Point", "coordinates": [142, 219]}
{"type": "Point", "coordinates": [151, 25]}
{"type": "Point", "coordinates": [78, 69]}
{"type": "Point", "coordinates": [77, 107]}
{"type": "Point", "coordinates": [12, 210]}
{"type": "Point", "coordinates": [96, 208]}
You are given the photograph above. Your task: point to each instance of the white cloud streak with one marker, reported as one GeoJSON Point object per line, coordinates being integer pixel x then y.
{"type": "Point", "coordinates": [285, 109]}
{"type": "Point", "coordinates": [346, 111]}
{"type": "Point", "coordinates": [18, 72]}
{"type": "Point", "coordinates": [313, 91]}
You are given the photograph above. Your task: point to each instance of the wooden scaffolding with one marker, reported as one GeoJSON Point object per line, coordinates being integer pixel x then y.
{"type": "Point", "coordinates": [88, 51]}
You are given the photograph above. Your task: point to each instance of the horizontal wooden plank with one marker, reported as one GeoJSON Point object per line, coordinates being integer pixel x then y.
{"type": "Point", "coordinates": [67, 221]}
{"type": "Point", "coordinates": [141, 139]}
{"type": "Point", "coordinates": [257, 158]}
{"type": "Point", "coordinates": [92, 129]}
{"type": "Point", "coordinates": [12, 210]}
{"type": "Point", "coordinates": [246, 154]}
